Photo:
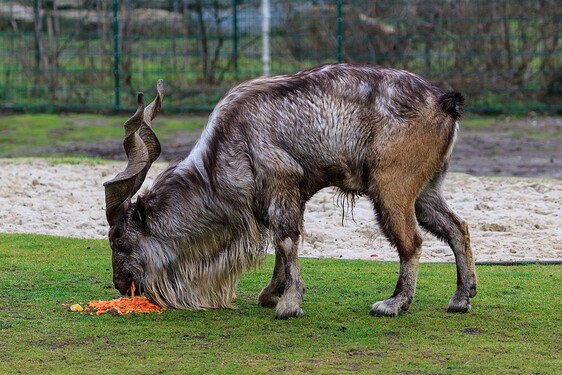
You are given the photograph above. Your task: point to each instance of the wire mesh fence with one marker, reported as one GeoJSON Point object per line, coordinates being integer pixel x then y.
{"type": "Point", "coordinates": [94, 55]}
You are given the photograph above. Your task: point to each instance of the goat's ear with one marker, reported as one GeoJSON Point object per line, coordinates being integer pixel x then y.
{"type": "Point", "coordinates": [140, 211]}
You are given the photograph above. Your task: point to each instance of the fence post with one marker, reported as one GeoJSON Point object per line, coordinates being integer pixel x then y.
{"type": "Point", "coordinates": [235, 35]}
{"type": "Point", "coordinates": [340, 30]}
{"type": "Point", "coordinates": [36, 19]}
{"type": "Point", "coordinates": [265, 30]}
{"type": "Point", "coordinates": [116, 54]}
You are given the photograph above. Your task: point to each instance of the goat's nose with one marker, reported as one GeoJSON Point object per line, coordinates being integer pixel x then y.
{"type": "Point", "coordinates": [120, 286]}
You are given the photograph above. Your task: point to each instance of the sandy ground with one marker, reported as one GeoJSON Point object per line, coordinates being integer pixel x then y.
{"type": "Point", "coordinates": [511, 219]}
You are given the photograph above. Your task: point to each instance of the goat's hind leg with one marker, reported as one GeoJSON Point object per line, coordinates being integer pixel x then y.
{"type": "Point", "coordinates": [434, 214]}
{"type": "Point", "coordinates": [401, 229]}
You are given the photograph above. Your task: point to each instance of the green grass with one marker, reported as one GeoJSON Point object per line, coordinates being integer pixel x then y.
{"type": "Point", "coordinates": [23, 135]}
{"type": "Point", "coordinates": [20, 133]}
{"type": "Point", "coordinates": [475, 122]}
{"type": "Point", "coordinates": [515, 325]}
{"type": "Point", "coordinates": [539, 135]}
{"type": "Point", "coordinates": [519, 131]}
{"type": "Point", "coordinates": [75, 160]}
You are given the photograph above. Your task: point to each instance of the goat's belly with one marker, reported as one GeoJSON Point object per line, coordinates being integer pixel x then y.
{"type": "Point", "coordinates": [353, 184]}
{"type": "Point", "coordinates": [342, 176]}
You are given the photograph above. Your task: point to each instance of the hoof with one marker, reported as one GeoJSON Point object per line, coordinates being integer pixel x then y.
{"type": "Point", "coordinates": [288, 314]}
{"type": "Point", "coordinates": [286, 309]}
{"type": "Point", "coordinates": [459, 308]}
{"type": "Point", "coordinates": [388, 307]}
{"type": "Point", "coordinates": [459, 304]}
{"type": "Point", "coordinates": [268, 300]}
{"type": "Point", "coordinates": [472, 291]}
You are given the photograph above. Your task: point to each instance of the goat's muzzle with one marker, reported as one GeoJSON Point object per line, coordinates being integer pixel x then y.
{"type": "Point", "coordinates": [123, 285]}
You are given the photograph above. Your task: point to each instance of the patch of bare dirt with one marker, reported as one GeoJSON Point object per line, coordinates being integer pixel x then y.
{"type": "Point", "coordinates": [530, 147]}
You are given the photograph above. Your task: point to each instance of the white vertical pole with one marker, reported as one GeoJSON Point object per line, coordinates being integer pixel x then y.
{"type": "Point", "coordinates": [265, 27]}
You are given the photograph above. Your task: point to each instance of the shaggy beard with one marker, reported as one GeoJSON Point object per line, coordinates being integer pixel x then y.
{"type": "Point", "coordinates": [201, 275]}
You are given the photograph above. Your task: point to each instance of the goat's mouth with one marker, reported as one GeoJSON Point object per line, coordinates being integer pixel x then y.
{"type": "Point", "coordinates": [126, 288]}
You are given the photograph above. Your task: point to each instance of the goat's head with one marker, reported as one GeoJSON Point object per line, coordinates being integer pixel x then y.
{"type": "Point", "coordinates": [125, 218]}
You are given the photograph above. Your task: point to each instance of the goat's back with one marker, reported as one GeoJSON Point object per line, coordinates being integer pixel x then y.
{"type": "Point", "coordinates": [334, 123]}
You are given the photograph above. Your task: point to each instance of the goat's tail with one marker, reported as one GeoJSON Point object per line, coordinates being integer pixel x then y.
{"type": "Point", "coordinates": [452, 102]}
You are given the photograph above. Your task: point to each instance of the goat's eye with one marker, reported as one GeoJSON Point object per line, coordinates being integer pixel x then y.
{"type": "Point", "coordinates": [119, 242]}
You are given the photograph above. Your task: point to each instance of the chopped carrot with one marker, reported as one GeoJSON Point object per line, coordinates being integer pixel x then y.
{"type": "Point", "coordinates": [125, 305]}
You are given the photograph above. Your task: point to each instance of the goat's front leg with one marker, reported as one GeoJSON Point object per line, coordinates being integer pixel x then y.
{"type": "Point", "coordinates": [286, 288]}
{"type": "Point", "coordinates": [289, 304]}
{"type": "Point", "coordinates": [269, 296]}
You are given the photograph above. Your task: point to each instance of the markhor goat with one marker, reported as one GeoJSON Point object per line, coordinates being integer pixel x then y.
{"type": "Point", "coordinates": [270, 144]}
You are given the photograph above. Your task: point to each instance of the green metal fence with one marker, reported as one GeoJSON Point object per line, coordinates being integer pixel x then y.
{"type": "Point", "coordinates": [94, 55]}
